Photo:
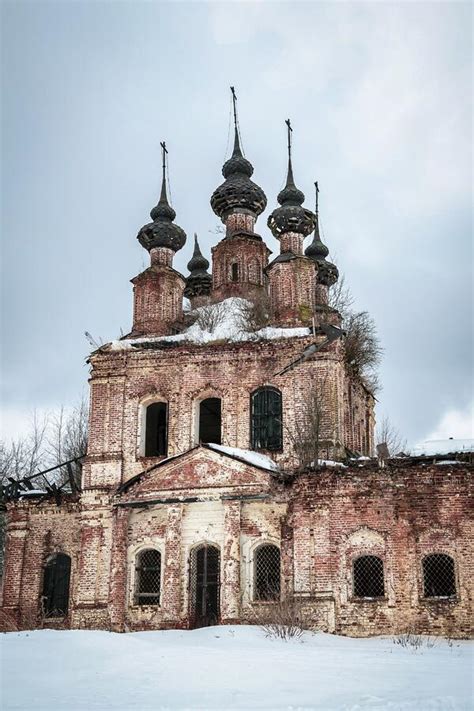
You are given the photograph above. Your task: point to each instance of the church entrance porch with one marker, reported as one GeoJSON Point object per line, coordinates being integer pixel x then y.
{"type": "Point", "coordinates": [204, 586]}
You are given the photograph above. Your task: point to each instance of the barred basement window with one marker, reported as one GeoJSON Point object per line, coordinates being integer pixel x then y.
{"type": "Point", "coordinates": [267, 573]}
{"type": "Point", "coordinates": [156, 430]}
{"type": "Point", "coordinates": [148, 577]}
{"type": "Point", "coordinates": [368, 577]}
{"type": "Point", "coordinates": [267, 419]}
{"type": "Point", "coordinates": [57, 574]}
{"type": "Point", "coordinates": [438, 576]}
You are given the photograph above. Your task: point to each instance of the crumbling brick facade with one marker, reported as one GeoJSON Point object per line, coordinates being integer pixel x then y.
{"type": "Point", "coordinates": [171, 534]}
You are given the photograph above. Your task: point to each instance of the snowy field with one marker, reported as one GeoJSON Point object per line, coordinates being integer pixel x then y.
{"type": "Point", "coordinates": [230, 668]}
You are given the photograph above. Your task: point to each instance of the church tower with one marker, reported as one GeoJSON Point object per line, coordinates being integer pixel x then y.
{"type": "Point", "coordinates": [291, 275]}
{"type": "Point", "coordinates": [158, 291]}
{"type": "Point", "coordinates": [239, 260]}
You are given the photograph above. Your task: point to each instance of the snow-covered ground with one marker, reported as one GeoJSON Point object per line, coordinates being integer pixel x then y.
{"type": "Point", "coordinates": [230, 668]}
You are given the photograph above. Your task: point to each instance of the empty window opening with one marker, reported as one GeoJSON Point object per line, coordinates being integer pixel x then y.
{"type": "Point", "coordinates": [438, 576]}
{"type": "Point", "coordinates": [148, 577]}
{"type": "Point", "coordinates": [204, 586]}
{"type": "Point", "coordinates": [368, 577]}
{"type": "Point", "coordinates": [156, 438]}
{"type": "Point", "coordinates": [210, 420]}
{"type": "Point", "coordinates": [234, 271]}
{"type": "Point", "coordinates": [57, 575]}
{"type": "Point", "coordinates": [267, 420]}
{"type": "Point", "coordinates": [267, 573]}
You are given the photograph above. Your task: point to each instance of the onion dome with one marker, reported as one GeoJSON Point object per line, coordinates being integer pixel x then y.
{"type": "Point", "coordinates": [199, 281]}
{"type": "Point", "coordinates": [291, 216]}
{"type": "Point", "coordinates": [237, 193]}
{"type": "Point", "coordinates": [328, 273]}
{"type": "Point", "coordinates": [162, 232]}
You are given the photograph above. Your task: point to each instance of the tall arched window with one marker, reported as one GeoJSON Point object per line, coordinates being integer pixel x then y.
{"type": "Point", "coordinates": [438, 576]}
{"type": "Point", "coordinates": [156, 430]}
{"type": "Point", "coordinates": [234, 272]}
{"type": "Point", "coordinates": [148, 577]}
{"type": "Point", "coordinates": [210, 420]}
{"type": "Point", "coordinates": [57, 575]}
{"type": "Point", "coordinates": [267, 419]}
{"type": "Point", "coordinates": [267, 572]}
{"type": "Point", "coordinates": [368, 577]}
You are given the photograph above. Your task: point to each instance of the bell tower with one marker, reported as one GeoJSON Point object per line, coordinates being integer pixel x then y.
{"type": "Point", "coordinates": [158, 291]}
{"type": "Point", "coordinates": [239, 260]}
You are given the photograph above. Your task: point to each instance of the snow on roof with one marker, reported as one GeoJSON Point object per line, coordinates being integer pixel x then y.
{"type": "Point", "coordinates": [432, 447]}
{"type": "Point", "coordinates": [223, 321]}
{"type": "Point", "coordinates": [33, 492]}
{"type": "Point", "coordinates": [246, 455]}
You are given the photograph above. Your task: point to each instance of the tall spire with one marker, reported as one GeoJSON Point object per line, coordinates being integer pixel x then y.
{"type": "Point", "coordinates": [291, 216]}
{"type": "Point", "coordinates": [162, 232]}
{"type": "Point", "coordinates": [238, 192]}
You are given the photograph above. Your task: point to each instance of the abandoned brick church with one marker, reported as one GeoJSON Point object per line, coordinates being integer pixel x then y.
{"type": "Point", "coordinates": [200, 502]}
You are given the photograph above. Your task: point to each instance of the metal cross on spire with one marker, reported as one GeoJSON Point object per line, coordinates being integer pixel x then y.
{"type": "Point", "coordinates": [164, 153]}
{"type": "Point", "coordinates": [290, 131]}
{"type": "Point", "coordinates": [316, 210]}
{"type": "Point", "coordinates": [234, 104]}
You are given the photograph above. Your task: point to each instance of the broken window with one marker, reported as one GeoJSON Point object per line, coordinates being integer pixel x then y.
{"type": "Point", "coordinates": [267, 573]}
{"type": "Point", "coordinates": [368, 577]}
{"type": "Point", "coordinates": [57, 574]}
{"type": "Point", "coordinates": [210, 420]}
{"type": "Point", "coordinates": [234, 270]}
{"type": "Point", "coordinates": [267, 430]}
{"type": "Point", "coordinates": [438, 576]}
{"type": "Point", "coordinates": [148, 577]}
{"type": "Point", "coordinates": [156, 430]}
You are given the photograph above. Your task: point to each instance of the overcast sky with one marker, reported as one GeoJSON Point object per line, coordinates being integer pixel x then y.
{"type": "Point", "coordinates": [380, 99]}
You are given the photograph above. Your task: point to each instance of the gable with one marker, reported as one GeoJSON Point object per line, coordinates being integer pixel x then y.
{"type": "Point", "coordinates": [199, 472]}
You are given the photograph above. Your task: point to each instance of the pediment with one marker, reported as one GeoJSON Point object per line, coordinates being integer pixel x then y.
{"type": "Point", "coordinates": [200, 472]}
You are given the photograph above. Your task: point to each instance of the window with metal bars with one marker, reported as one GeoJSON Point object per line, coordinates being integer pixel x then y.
{"type": "Point", "coordinates": [148, 577]}
{"type": "Point", "coordinates": [267, 419]}
{"type": "Point", "coordinates": [368, 577]}
{"type": "Point", "coordinates": [57, 574]}
{"type": "Point", "coordinates": [267, 573]}
{"type": "Point", "coordinates": [156, 430]}
{"type": "Point", "coordinates": [438, 576]}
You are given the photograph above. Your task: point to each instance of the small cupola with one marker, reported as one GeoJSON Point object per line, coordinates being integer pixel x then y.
{"type": "Point", "coordinates": [199, 282]}
{"type": "Point", "coordinates": [328, 273]}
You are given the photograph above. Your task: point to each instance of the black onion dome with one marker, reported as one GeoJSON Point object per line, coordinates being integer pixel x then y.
{"type": "Point", "coordinates": [238, 192]}
{"type": "Point", "coordinates": [291, 216]}
{"type": "Point", "coordinates": [162, 232]}
{"type": "Point", "coordinates": [199, 282]}
{"type": "Point", "coordinates": [198, 262]}
{"type": "Point", "coordinates": [328, 273]}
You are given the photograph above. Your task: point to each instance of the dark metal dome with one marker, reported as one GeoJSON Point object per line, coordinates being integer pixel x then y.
{"type": "Point", "coordinates": [291, 216]}
{"type": "Point", "coordinates": [199, 282]}
{"type": "Point", "coordinates": [162, 232]}
{"type": "Point", "coordinates": [238, 192]}
{"type": "Point", "coordinates": [328, 273]}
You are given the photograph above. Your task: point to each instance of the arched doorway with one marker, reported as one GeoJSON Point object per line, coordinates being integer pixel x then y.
{"type": "Point", "coordinates": [57, 574]}
{"type": "Point", "coordinates": [204, 588]}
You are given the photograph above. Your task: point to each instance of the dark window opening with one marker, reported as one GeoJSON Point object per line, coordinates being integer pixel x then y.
{"type": "Point", "coordinates": [438, 576]}
{"type": "Point", "coordinates": [368, 577]}
{"type": "Point", "coordinates": [204, 586]}
{"type": "Point", "coordinates": [57, 575]}
{"type": "Point", "coordinates": [267, 573]}
{"type": "Point", "coordinates": [156, 437]}
{"type": "Point", "coordinates": [235, 272]}
{"type": "Point", "coordinates": [148, 572]}
{"type": "Point", "coordinates": [210, 420]}
{"type": "Point", "coordinates": [267, 430]}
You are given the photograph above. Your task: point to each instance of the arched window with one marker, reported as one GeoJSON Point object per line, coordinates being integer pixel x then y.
{"type": "Point", "coordinates": [234, 272]}
{"type": "Point", "coordinates": [438, 576]}
{"type": "Point", "coordinates": [210, 420]}
{"type": "Point", "coordinates": [267, 419]}
{"type": "Point", "coordinates": [57, 575]}
{"type": "Point", "coordinates": [156, 430]}
{"type": "Point", "coordinates": [267, 573]}
{"type": "Point", "coordinates": [368, 577]}
{"type": "Point", "coordinates": [148, 577]}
